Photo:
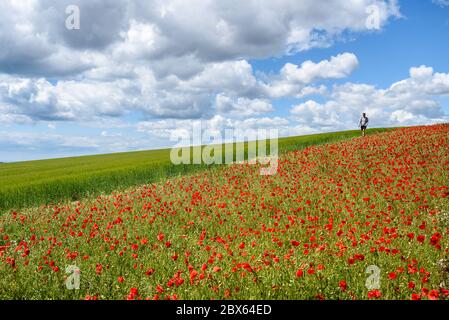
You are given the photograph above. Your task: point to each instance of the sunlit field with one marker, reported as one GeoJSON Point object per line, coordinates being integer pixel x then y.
{"type": "Point", "coordinates": [309, 232]}
{"type": "Point", "coordinates": [47, 181]}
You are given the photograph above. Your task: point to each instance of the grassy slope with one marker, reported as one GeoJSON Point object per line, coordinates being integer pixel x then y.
{"type": "Point", "coordinates": [48, 181]}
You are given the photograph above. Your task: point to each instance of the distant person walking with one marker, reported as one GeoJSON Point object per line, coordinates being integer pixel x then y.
{"type": "Point", "coordinates": [363, 123]}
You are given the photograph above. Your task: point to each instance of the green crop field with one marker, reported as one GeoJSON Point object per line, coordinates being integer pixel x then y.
{"type": "Point", "coordinates": [33, 183]}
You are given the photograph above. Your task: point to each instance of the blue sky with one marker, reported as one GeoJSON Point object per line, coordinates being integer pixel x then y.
{"type": "Point", "coordinates": [160, 66]}
{"type": "Point", "coordinates": [421, 36]}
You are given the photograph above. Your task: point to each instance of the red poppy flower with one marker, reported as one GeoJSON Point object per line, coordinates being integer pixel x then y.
{"type": "Point", "coordinates": [295, 243]}
{"type": "Point", "coordinates": [445, 292]}
{"type": "Point", "coordinates": [416, 296]}
{"type": "Point", "coordinates": [193, 275]}
{"type": "Point", "coordinates": [392, 275]}
{"type": "Point", "coordinates": [149, 272]}
{"type": "Point", "coordinates": [99, 268]}
{"type": "Point", "coordinates": [374, 294]}
{"type": "Point", "coordinates": [433, 294]}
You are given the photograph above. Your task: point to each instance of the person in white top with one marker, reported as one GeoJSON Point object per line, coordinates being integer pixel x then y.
{"type": "Point", "coordinates": [363, 123]}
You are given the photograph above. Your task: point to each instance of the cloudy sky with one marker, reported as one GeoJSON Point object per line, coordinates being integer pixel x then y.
{"type": "Point", "coordinates": [135, 71]}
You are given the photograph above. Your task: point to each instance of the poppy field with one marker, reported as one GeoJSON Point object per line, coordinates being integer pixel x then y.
{"type": "Point", "coordinates": [312, 231]}
{"type": "Point", "coordinates": [28, 183]}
